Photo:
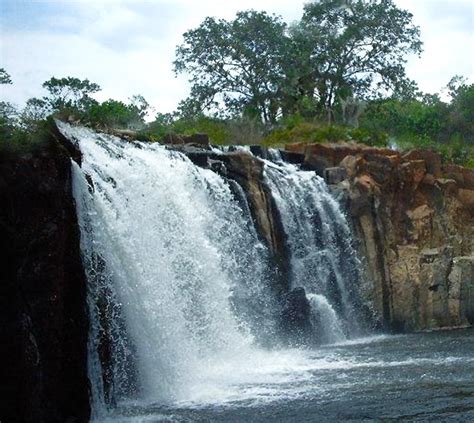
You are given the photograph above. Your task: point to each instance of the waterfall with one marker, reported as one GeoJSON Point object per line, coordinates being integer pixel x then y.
{"type": "Point", "coordinates": [176, 278]}
{"type": "Point", "coordinates": [180, 299]}
{"type": "Point", "coordinates": [322, 258]}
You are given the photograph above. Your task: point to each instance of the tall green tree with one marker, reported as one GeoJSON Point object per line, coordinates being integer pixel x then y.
{"type": "Point", "coordinates": [238, 64]}
{"type": "Point", "coordinates": [68, 96]}
{"type": "Point", "coordinates": [354, 48]}
{"type": "Point", "coordinates": [461, 110]}
{"type": "Point", "coordinates": [117, 114]}
{"type": "Point", "coordinates": [70, 93]}
{"type": "Point", "coordinates": [8, 112]}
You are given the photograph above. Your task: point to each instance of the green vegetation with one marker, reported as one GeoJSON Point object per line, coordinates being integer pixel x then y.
{"type": "Point", "coordinates": [256, 65]}
{"type": "Point", "coordinates": [338, 74]}
{"type": "Point", "coordinates": [426, 121]}
{"type": "Point", "coordinates": [295, 128]}
{"type": "Point", "coordinates": [68, 99]}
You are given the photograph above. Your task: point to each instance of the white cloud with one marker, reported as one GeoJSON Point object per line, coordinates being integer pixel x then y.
{"type": "Point", "coordinates": [447, 30]}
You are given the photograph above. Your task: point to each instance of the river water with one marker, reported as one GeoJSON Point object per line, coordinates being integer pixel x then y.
{"type": "Point", "coordinates": [423, 377]}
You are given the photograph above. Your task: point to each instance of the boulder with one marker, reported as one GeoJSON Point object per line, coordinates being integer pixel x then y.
{"type": "Point", "coordinates": [296, 317]}
{"type": "Point", "coordinates": [431, 158]}
{"type": "Point", "coordinates": [466, 197]}
{"type": "Point", "coordinates": [334, 175]}
{"type": "Point", "coordinates": [197, 139]}
{"type": "Point", "coordinates": [352, 164]}
{"type": "Point", "coordinates": [172, 139]}
{"type": "Point", "coordinates": [292, 157]}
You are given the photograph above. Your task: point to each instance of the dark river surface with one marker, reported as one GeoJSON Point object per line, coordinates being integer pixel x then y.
{"type": "Point", "coordinates": [424, 377]}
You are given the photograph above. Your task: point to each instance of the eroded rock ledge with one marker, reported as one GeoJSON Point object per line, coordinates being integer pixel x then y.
{"type": "Point", "coordinates": [413, 217]}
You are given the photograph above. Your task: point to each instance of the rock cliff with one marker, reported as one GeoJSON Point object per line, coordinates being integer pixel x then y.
{"type": "Point", "coordinates": [43, 354]}
{"type": "Point", "coordinates": [413, 217]}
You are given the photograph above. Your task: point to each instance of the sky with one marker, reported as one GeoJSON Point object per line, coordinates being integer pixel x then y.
{"type": "Point", "coordinates": [127, 46]}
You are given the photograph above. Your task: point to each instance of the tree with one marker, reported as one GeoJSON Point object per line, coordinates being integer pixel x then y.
{"type": "Point", "coordinates": [258, 66]}
{"type": "Point", "coordinates": [116, 114]}
{"type": "Point", "coordinates": [70, 93]}
{"type": "Point", "coordinates": [4, 77]}
{"type": "Point", "coordinates": [353, 48]}
{"type": "Point", "coordinates": [35, 111]}
{"type": "Point", "coordinates": [236, 63]}
{"type": "Point", "coordinates": [461, 110]}
{"type": "Point", "coordinates": [8, 112]}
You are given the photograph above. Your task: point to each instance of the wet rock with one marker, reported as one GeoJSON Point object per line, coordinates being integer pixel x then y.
{"type": "Point", "coordinates": [259, 151]}
{"type": "Point", "coordinates": [292, 157]}
{"type": "Point", "coordinates": [461, 293]}
{"type": "Point", "coordinates": [197, 139]}
{"type": "Point", "coordinates": [172, 139]}
{"type": "Point", "coordinates": [334, 175]}
{"type": "Point", "coordinates": [296, 317]}
{"type": "Point", "coordinates": [247, 171]}
{"type": "Point", "coordinates": [43, 359]}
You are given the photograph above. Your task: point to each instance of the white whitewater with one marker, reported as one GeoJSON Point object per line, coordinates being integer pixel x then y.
{"type": "Point", "coordinates": [167, 245]}
{"type": "Point", "coordinates": [322, 258]}
{"type": "Point", "coordinates": [178, 279]}
{"type": "Point", "coordinates": [325, 317]}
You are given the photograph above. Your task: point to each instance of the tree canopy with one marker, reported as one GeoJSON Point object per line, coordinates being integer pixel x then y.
{"type": "Point", "coordinates": [356, 47]}
{"type": "Point", "coordinates": [70, 93]}
{"type": "Point", "coordinates": [339, 49]}
{"type": "Point", "coordinates": [4, 77]}
{"type": "Point", "coordinates": [237, 64]}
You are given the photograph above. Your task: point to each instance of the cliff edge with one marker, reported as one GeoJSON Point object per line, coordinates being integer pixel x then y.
{"type": "Point", "coordinates": [413, 217]}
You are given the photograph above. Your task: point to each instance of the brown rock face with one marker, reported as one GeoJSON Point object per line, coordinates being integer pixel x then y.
{"type": "Point", "coordinates": [197, 139]}
{"type": "Point", "coordinates": [247, 171]}
{"type": "Point", "coordinates": [414, 219]}
{"type": "Point", "coordinates": [43, 355]}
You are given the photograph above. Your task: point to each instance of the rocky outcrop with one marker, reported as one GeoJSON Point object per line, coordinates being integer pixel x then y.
{"type": "Point", "coordinates": [195, 139]}
{"type": "Point", "coordinates": [296, 317]}
{"type": "Point", "coordinates": [247, 171]}
{"type": "Point", "coordinates": [43, 292]}
{"type": "Point", "coordinates": [413, 217]}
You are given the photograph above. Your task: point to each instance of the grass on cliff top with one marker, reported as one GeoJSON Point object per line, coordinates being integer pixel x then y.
{"type": "Point", "coordinates": [310, 133]}
{"type": "Point", "coordinates": [455, 150]}
{"type": "Point", "coordinates": [18, 141]}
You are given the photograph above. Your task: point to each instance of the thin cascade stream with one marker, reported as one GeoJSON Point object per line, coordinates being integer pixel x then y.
{"type": "Point", "coordinates": [322, 258]}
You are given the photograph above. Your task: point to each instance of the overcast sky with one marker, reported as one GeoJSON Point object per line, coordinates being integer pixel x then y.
{"type": "Point", "coordinates": [127, 46]}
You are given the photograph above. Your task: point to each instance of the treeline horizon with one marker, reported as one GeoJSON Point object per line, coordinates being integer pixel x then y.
{"type": "Point", "coordinates": [338, 74]}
